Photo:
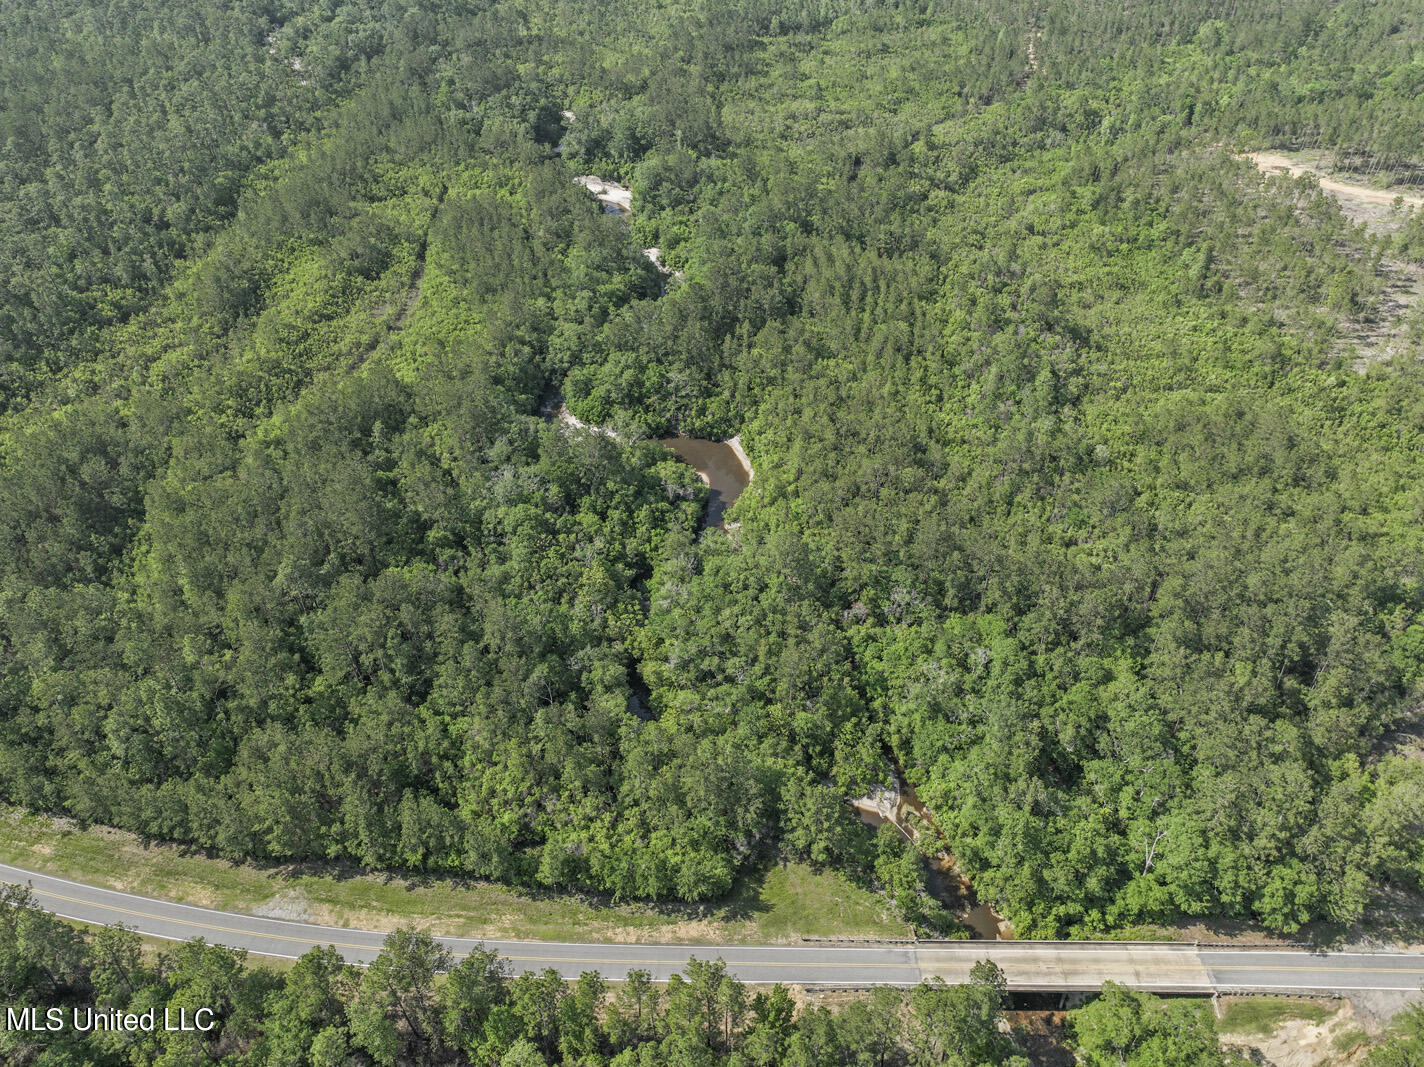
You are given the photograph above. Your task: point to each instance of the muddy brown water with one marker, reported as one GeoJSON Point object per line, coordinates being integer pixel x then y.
{"type": "Point", "coordinates": [720, 468]}
{"type": "Point", "coordinates": [949, 886]}
{"type": "Point", "coordinates": [870, 817]}
{"type": "Point", "coordinates": [943, 879]}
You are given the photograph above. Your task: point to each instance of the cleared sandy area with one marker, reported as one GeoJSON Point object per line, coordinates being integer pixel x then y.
{"type": "Point", "coordinates": [1332, 1035]}
{"type": "Point", "coordinates": [1276, 162]}
{"type": "Point", "coordinates": [735, 444]}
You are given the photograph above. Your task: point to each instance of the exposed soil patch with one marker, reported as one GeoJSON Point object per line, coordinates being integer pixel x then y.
{"type": "Point", "coordinates": [1385, 333]}
{"type": "Point", "coordinates": [1352, 196]}
{"type": "Point", "coordinates": [1337, 1038]}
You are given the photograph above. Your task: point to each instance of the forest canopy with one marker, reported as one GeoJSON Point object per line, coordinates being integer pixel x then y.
{"type": "Point", "coordinates": [1075, 507]}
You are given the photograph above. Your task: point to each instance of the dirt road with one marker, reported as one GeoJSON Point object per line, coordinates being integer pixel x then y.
{"type": "Point", "coordinates": [1274, 161]}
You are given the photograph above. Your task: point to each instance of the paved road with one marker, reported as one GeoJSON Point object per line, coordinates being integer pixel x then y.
{"type": "Point", "coordinates": [1041, 965]}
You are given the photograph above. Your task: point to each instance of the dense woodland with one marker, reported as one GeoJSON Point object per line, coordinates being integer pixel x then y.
{"type": "Point", "coordinates": [1069, 505]}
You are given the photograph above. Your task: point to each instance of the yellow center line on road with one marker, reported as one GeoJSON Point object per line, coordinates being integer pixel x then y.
{"type": "Point", "coordinates": [198, 925]}
{"type": "Point", "coordinates": [1265, 968]}
{"type": "Point", "coordinates": [376, 948]}
{"type": "Point", "coordinates": [729, 963]}
{"type": "Point", "coordinates": [1321, 969]}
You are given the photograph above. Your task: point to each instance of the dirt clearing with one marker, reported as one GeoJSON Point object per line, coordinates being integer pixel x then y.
{"type": "Point", "coordinates": [1276, 162]}
{"type": "Point", "coordinates": [1295, 1034]}
{"type": "Point", "coordinates": [1384, 332]}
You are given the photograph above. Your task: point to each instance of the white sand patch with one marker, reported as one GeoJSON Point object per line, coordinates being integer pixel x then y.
{"type": "Point", "coordinates": [884, 801]}
{"type": "Point", "coordinates": [573, 422]}
{"type": "Point", "coordinates": [608, 192]}
{"type": "Point", "coordinates": [735, 443]}
{"type": "Point", "coordinates": [655, 255]}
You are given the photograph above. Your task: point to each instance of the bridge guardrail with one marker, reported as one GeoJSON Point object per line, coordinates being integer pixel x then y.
{"type": "Point", "coordinates": [1258, 946]}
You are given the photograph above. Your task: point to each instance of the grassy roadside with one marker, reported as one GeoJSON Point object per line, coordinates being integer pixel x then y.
{"type": "Point", "coordinates": [1262, 1016]}
{"type": "Point", "coordinates": [1295, 1031]}
{"type": "Point", "coordinates": [777, 904]}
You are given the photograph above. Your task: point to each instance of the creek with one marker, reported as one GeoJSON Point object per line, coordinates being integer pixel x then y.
{"type": "Point", "coordinates": [722, 465]}
{"type": "Point", "coordinates": [943, 878]}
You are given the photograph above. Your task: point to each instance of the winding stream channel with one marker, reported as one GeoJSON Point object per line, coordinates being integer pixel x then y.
{"type": "Point", "coordinates": [727, 470]}
{"type": "Point", "coordinates": [943, 878]}
{"type": "Point", "coordinates": [723, 465]}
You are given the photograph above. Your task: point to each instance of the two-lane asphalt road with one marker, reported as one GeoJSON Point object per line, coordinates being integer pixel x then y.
{"type": "Point", "coordinates": [1029, 965]}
